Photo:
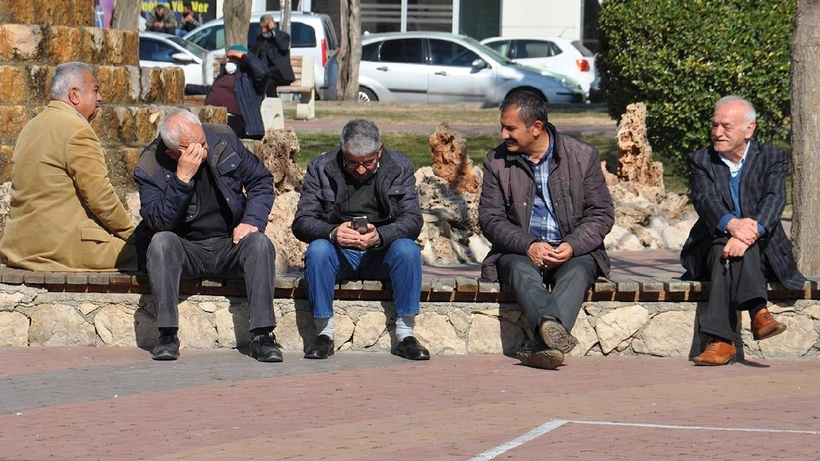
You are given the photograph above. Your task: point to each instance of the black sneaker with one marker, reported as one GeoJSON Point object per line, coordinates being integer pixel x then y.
{"type": "Point", "coordinates": [167, 348]}
{"type": "Point", "coordinates": [536, 354]}
{"type": "Point", "coordinates": [264, 349]}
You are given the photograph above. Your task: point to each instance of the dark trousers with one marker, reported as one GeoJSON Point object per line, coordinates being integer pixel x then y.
{"type": "Point", "coordinates": [171, 257]}
{"type": "Point", "coordinates": [275, 79]}
{"type": "Point", "coordinates": [735, 285]}
{"type": "Point", "coordinates": [570, 284]}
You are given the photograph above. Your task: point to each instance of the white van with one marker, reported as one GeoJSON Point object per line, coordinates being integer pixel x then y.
{"type": "Point", "coordinates": [310, 34]}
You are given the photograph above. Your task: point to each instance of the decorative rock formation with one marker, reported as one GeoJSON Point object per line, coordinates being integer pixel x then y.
{"type": "Point", "coordinates": [278, 151]}
{"type": "Point", "coordinates": [646, 216]}
{"type": "Point", "coordinates": [451, 161]}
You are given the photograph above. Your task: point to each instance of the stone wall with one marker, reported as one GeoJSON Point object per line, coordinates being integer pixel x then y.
{"type": "Point", "coordinates": [35, 316]}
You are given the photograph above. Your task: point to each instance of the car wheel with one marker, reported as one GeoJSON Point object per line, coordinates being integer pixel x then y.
{"type": "Point", "coordinates": [366, 95]}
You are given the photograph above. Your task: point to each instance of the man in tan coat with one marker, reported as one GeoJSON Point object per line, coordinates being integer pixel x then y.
{"type": "Point", "coordinates": [64, 214]}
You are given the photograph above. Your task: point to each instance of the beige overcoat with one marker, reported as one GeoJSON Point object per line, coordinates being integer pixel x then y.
{"type": "Point", "coordinates": [64, 213]}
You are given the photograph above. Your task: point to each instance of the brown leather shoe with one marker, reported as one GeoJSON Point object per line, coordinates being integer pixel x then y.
{"type": "Point", "coordinates": [765, 326]}
{"type": "Point", "coordinates": [717, 353]}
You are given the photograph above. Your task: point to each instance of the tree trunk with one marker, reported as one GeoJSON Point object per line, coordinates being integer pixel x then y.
{"type": "Point", "coordinates": [350, 51]}
{"type": "Point", "coordinates": [126, 15]}
{"type": "Point", "coordinates": [284, 21]}
{"type": "Point", "coordinates": [237, 15]}
{"type": "Point", "coordinates": [805, 91]}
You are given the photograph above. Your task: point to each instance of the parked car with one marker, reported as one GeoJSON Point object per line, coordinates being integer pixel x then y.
{"type": "Point", "coordinates": [310, 34]}
{"type": "Point", "coordinates": [567, 57]}
{"type": "Point", "coordinates": [440, 67]}
{"type": "Point", "coordinates": [163, 50]}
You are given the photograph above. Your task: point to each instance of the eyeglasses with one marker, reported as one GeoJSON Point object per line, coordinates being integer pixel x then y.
{"type": "Point", "coordinates": [353, 166]}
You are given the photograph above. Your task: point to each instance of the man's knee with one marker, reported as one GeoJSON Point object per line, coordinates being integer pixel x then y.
{"type": "Point", "coordinates": [320, 251]}
{"type": "Point", "coordinates": [258, 243]}
{"type": "Point", "coordinates": [405, 250]}
{"type": "Point", "coordinates": [162, 243]}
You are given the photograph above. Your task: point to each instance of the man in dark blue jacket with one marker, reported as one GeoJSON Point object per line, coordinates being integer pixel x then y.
{"type": "Point", "coordinates": [360, 214]}
{"type": "Point", "coordinates": [201, 224]}
{"type": "Point", "coordinates": [739, 191]}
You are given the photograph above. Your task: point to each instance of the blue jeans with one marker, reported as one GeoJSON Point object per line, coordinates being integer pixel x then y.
{"type": "Point", "coordinates": [326, 264]}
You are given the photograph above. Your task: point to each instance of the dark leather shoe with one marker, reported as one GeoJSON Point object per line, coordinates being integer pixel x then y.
{"type": "Point", "coordinates": [718, 352]}
{"type": "Point", "coordinates": [167, 348]}
{"type": "Point", "coordinates": [321, 348]}
{"type": "Point", "coordinates": [264, 349]}
{"type": "Point", "coordinates": [555, 336]}
{"type": "Point", "coordinates": [536, 354]}
{"type": "Point", "coordinates": [410, 349]}
{"type": "Point", "coordinates": [765, 326]}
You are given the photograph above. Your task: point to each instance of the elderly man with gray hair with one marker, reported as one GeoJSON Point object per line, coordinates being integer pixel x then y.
{"type": "Point", "coordinates": [360, 214]}
{"type": "Point", "coordinates": [205, 200]}
{"type": "Point", "coordinates": [739, 191]}
{"type": "Point", "coordinates": [65, 214]}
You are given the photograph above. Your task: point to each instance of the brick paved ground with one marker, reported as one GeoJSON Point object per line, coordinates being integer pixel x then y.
{"type": "Point", "coordinates": [116, 404]}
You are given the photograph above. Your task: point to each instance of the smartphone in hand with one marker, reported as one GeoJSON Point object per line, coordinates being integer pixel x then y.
{"type": "Point", "coordinates": [359, 223]}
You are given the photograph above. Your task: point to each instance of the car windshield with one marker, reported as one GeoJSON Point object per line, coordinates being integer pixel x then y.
{"type": "Point", "coordinates": [493, 54]}
{"type": "Point", "coordinates": [195, 49]}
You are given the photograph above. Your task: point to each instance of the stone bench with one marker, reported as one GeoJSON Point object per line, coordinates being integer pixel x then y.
{"type": "Point", "coordinates": [459, 314]}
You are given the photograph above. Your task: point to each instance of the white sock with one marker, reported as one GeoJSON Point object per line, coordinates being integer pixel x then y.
{"type": "Point", "coordinates": [324, 327]}
{"type": "Point", "coordinates": [404, 326]}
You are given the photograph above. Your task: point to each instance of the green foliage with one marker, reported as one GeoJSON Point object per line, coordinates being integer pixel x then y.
{"type": "Point", "coordinates": [680, 56]}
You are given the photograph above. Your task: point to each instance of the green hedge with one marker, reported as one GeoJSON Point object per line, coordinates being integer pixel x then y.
{"type": "Point", "coordinates": [680, 56]}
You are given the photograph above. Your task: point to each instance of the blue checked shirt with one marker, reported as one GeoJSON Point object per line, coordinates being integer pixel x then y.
{"type": "Point", "coordinates": [544, 223]}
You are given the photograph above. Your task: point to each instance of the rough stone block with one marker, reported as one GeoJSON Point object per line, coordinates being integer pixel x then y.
{"type": "Point", "coordinates": [64, 44]}
{"type": "Point", "coordinates": [13, 329]}
{"type": "Point", "coordinates": [12, 121]}
{"type": "Point", "coordinates": [48, 12]}
{"type": "Point", "coordinates": [38, 86]}
{"type": "Point", "coordinates": [20, 42]}
{"type": "Point", "coordinates": [6, 151]}
{"type": "Point", "coordinates": [119, 84]}
{"type": "Point", "coordinates": [14, 91]}
{"type": "Point", "coordinates": [121, 47]}
{"type": "Point", "coordinates": [91, 45]}
{"type": "Point", "coordinates": [162, 85]}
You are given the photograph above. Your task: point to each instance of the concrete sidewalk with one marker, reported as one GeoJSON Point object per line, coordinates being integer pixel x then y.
{"type": "Point", "coordinates": [117, 404]}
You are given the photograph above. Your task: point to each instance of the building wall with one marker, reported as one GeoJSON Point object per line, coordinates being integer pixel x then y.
{"type": "Point", "coordinates": [542, 18]}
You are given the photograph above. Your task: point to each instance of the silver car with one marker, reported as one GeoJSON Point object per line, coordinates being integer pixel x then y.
{"type": "Point", "coordinates": [163, 50]}
{"type": "Point", "coordinates": [438, 67]}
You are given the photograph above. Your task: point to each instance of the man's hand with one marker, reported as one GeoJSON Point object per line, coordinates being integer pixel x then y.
{"type": "Point", "coordinates": [347, 237]}
{"type": "Point", "coordinates": [242, 230]}
{"type": "Point", "coordinates": [743, 229]}
{"type": "Point", "coordinates": [734, 248]}
{"type": "Point", "coordinates": [236, 55]}
{"type": "Point", "coordinates": [542, 254]}
{"type": "Point", "coordinates": [189, 161]}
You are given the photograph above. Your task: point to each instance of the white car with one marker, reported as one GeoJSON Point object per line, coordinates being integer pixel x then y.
{"type": "Point", "coordinates": [438, 67]}
{"type": "Point", "coordinates": [310, 34]}
{"type": "Point", "coordinates": [561, 55]}
{"type": "Point", "coordinates": [163, 50]}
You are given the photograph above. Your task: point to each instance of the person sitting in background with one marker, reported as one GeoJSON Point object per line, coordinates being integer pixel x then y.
{"type": "Point", "coordinates": [161, 20]}
{"type": "Point", "coordinates": [272, 47]}
{"type": "Point", "coordinates": [188, 21]}
{"type": "Point", "coordinates": [240, 89]}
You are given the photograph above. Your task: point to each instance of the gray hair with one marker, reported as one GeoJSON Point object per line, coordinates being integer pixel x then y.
{"type": "Point", "coordinates": [750, 115]}
{"type": "Point", "coordinates": [532, 106]}
{"type": "Point", "coordinates": [174, 125]}
{"type": "Point", "coordinates": [266, 17]}
{"type": "Point", "coordinates": [66, 76]}
{"type": "Point", "coordinates": [360, 138]}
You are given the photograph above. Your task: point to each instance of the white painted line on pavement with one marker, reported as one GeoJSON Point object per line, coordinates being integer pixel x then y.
{"type": "Point", "coordinates": [556, 423]}
{"type": "Point", "coordinates": [696, 428]}
{"type": "Point", "coordinates": [517, 442]}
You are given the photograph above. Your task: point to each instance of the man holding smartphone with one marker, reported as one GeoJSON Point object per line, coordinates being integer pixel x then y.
{"type": "Point", "coordinates": [360, 215]}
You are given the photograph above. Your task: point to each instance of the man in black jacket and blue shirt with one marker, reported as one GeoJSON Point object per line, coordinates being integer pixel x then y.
{"type": "Point", "coordinates": [360, 214]}
{"type": "Point", "coordinates": [739, 191]}
{"type": "Point", "coordinates": [205, 201]}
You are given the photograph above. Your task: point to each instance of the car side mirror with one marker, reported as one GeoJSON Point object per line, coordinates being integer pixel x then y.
{"type": "Point", "coordinates": [479, 64]}
{"type": "Point", "coordinates": [182, 58]}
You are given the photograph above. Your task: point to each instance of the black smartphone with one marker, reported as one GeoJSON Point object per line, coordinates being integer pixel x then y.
{"type": "Point", "coordinates": [359, 222]}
